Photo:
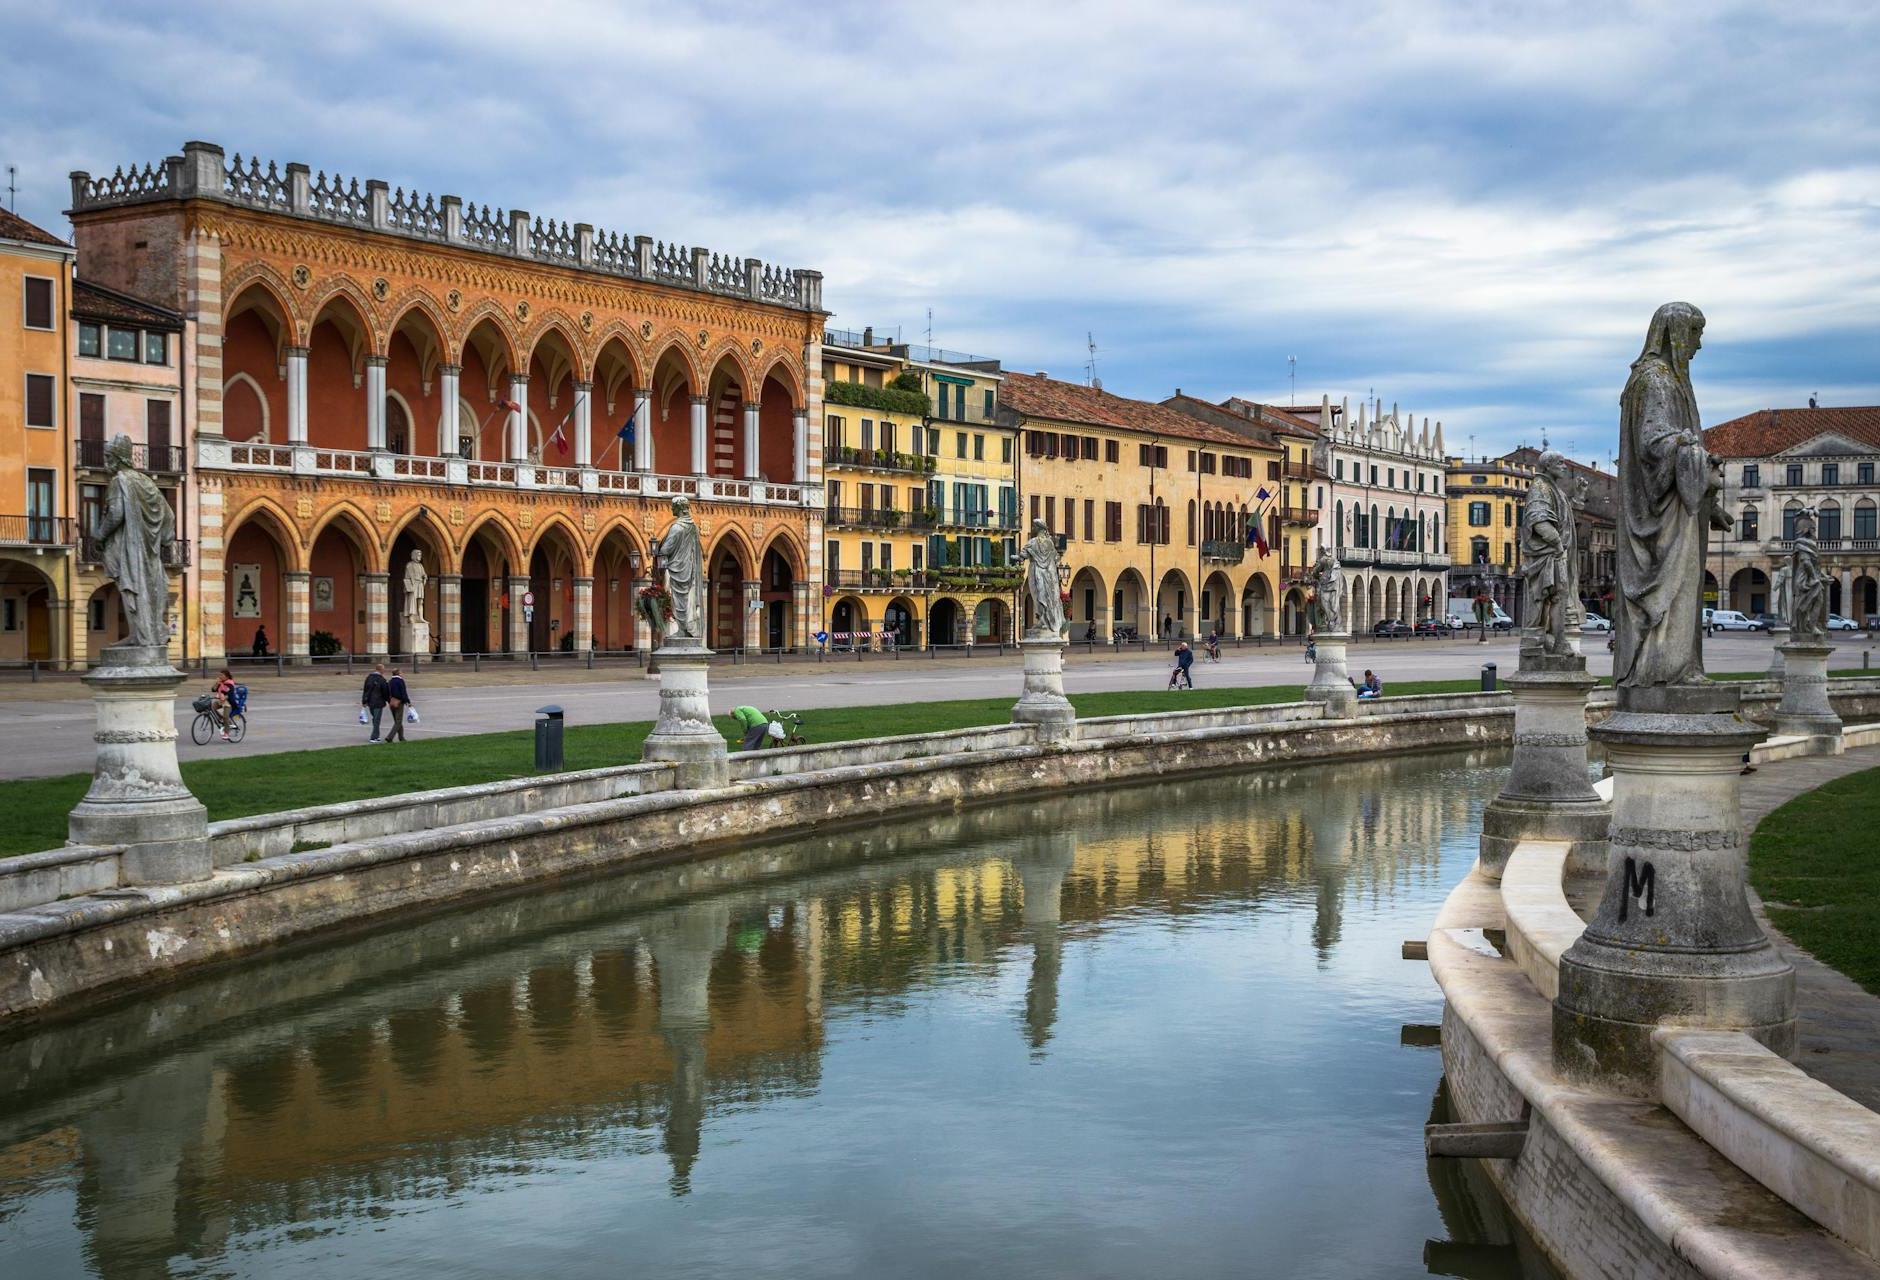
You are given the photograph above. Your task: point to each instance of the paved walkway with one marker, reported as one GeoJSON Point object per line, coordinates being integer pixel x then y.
{"type": "Point", "coordinates": [1838, 1022]}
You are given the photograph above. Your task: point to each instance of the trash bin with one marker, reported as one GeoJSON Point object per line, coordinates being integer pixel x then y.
{"type": "Point", "coordinates": [1488, 681]}
{"type": "Point", "coordinates": [548, 725]}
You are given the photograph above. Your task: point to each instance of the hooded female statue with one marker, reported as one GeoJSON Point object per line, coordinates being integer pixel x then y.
{"type": "Point", "coordinates": [1668, 486]}
{"type": "Point", "coordinates": [1040, 555]}
{"type": "Point", "coordinates": [136, 529]}
{"type": "Point", "coordinates": [680, 555]}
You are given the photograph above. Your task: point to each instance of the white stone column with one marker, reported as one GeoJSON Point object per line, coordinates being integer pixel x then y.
{"type": "Point", "coordinates": [1042, 702]}
{"type": "Point", "coordinates": [753, 617]}
{"type": "Point", "coordinates": [449, 377]}
{"type": "Point", "coordinates": [1805, 707]}
{"type": "Point", "coordinates": [642, 430]}
{"type": "Point", "coordinates": [519, 418]}
{"type": "Point", "coordinates": [378, 613]}
{"type": "Point", "coordinates": [583, 425]}
{"type": "Point", "coordinates": [1331, 683]}
{"type": "Point", "coordinates": [518, 621]}
{"type": "Point", "coordinates": [684, 734]}
{"type": "Point", "coordinates": [800, 426]}
{"type": "Point", "coordinates": [375, 402]}
{"type": "Point", "coordinates": [806, 619]}
{"type": "Point", "coordinates": [297, 395]}
{"type": "Point", "coordinates": [299, 639]}
{"type": "Point", "coordinates": [583, 614]}
{"type": "Point", "coordinates": [1547, 795]}
{"type": "Point", "coordinates": [701, 437]}
{"type": "Point", "coordinates": [450, 614]}
{"type": "Point", "coordinates": [750, 442]}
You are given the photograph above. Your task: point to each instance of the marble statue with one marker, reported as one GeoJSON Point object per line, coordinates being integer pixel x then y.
{"type": "Point", "coordinates": [1779, 591]}
{"type": "Point", "coordinates": [1328, 585]}
{"type": "Point", "coordinates": [1808, 585]}
{"type": "Point", "coordinates": [1549, 556]}
{"type": "Point", "coordinates": [1040, 554]}
{"type": "Point", "coordinates": [1668, 491]}
{"type": "Point", "coordinates": [683, 560]}
{"type": "Point", "coordinates": [414, 587]}
{"type": "Point", "coordinates": [136, 529]}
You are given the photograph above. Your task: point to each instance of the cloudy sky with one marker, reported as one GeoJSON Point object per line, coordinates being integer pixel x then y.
{"type": "Point", "coordinates": [1468, 208]}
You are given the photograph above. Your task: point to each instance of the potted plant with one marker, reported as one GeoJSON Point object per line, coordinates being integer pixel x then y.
{"type": "Point", "coordinates": [655, 605]}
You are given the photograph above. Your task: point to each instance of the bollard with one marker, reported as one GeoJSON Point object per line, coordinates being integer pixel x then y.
{"type": "Point", "coordinates": [548, 730]}
{"type": "Point", "coordinates": [1488, 677]}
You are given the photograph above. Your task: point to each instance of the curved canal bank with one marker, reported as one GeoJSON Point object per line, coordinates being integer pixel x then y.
{"type": "Point", "coordinates": [1053, 1038]}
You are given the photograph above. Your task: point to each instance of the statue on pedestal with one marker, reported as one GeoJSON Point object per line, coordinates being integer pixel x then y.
{"type": "Point", "coordinates": [1328, 586]}
{"type": "Point", "coordinates": [1549, 554]}
{"type": "Point", "coordinates": [136, 529]}
{"type": "Point", "coordinates": [415, 578]}
{"type": "Point", "coordinates": [1669, 487]}
{"type": "Point", "coordinates": [1807, 585]}
{"type": "Point", "coordinates": [1040, 554]}
{"type": "Point", "coordinates": [682, 559]}
{"type": "Point", "coordinates": [1779, 591]}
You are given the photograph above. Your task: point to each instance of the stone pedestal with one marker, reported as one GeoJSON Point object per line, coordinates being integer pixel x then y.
{"type": "Point", "coordinates": [137, 797]}
{"type": "Point", "coordinates": [1331, 683]}
{"type": "Point", "coordinates": [1805, 707]}
{"type": "Point", "coordinates": [684, 733]}
{"type": "Point", "coordinates": [1776, 667]}
{"type": "Point", "coordinates": [1672, 942]}
{"type": "Point", "coordinates": [415, 638]}
{"type": "Point", "coordinates": [1043, 702]}
{"type": "Point", "coordinates": [1548, 795]}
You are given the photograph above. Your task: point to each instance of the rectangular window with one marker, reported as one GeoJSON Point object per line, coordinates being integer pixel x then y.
{"type": "Point", "coordinates": [959, 441]}
{"type": "Point", "coordinates": [868, 556]}
{"type": "Point", "coordinates": [1110, 449]}
{"type": "Point", "coordinates": [120, 344]}
{"type": "Point", "coordinates": [90, 505]}
{"type": "Point", "coordinates": [39, 505]}
{"type": "Point", "coordinates": [1050, 513]}
{"type": "Point", "coordinates": [1864, 521]}
{"type": "Point", "coordinates": [1034, 506]}
{"type": "Point", "coordinates": [1207, 464]}
{"type": "Point", "coordinates": [91, 419]}
{"type": "Point", "coordinates": [1831, 473]}
{"type": "Point", "coordinates": [157, 432]}
{"type": "Point", "coordinates": [887, 436]}
{"type": "Point", "coordinates": [1338, 469]}
{"type": "Point", "coordinates": [832, 431]}
{"type": "Point", "coordinates": [1374, 473]}
{"type": "Point", "coordinates": [41, 397]}
{"type": "Point", "coordinates": [989, 405]}
{"type": "Point", "coordinates": [1005, 451]}
{"type": "Point", "coordinates": [1390, 481]}
{"type": "Point", "coordinates": [1478, 515]}
{"type": "Point", "coordinates": [1863, 473]}
{"type": "Point", "coordinates": [887, 557]}
{"type": "Point", "coordinates": [156, 348]}
{"type": "Point", "coordinates": [1795, 473]}
{"type": "Point", "coordinates": [90, 339]}
{"type": "Point", "coordinates": [38, 309]}
{"type": "Point", "coordinates": [1070, 518]}
{"type": "Point", "coordinates": [1090, 520]}
{"type": "Point", "coordinates": [1112, 522]}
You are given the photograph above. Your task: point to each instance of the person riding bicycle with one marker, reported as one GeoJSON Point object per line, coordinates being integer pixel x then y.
{"type": "Point", "coordinates": [222, 698]}
{"type": "Point", "coordinates": [1214, 645]}
{"type": "Point", "coordinates": [1184, 659]}
{"type": "Point", "coordinates": [1312, 649]}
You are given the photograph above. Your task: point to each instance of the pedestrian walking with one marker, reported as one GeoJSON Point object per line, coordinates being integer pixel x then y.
{"type": "Point", "coordinates": [1184, 660]}
{"type": "Point", "coordinates": [398, 701]}
{"type": "Point", "coordinates": [1168, 626]}
{"type": "Point", "coordinates": [261, 642]}
{"type": "Point", "coordinates": [373, 697]}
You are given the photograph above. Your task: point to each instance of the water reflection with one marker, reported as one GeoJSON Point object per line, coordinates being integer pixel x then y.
{"type": "Point", "coordinates": [380, 1105]}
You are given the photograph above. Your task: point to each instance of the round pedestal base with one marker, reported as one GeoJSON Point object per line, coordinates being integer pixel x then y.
{"type": "Point", "coordinates": [684, 733]}
{"type": "Point", "coordinates": [1805, 708]}
{"type": "Point", "coordinates": [1042, 702]}
{"type": "Point", "coordinates": [1331, 683]}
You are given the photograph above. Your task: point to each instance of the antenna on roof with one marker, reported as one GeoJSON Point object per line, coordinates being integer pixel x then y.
{"type": "Point", "coordinates": [1292, 372]}
{"type": "Point", "coordinates": [930, 333]}
{"type": "Point", "coordinates": [13, 206]}
{"type": "Point", "coordinates": [1090, 361]}
{"type": "Point", "coordinates": [1811, 399]}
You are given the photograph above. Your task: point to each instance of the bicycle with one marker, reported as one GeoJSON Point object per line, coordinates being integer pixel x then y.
{"type": "Point", "coordinates": [206, 726]}
{"type": "Point", "coordinates": [793, 736]}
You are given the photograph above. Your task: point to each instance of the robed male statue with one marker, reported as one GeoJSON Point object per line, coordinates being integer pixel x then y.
{"type": "Point", "coordinates": [414, 581]}
{"type": "Point", "coordinates": [684, 564]}
{"type": "Point", "coordinates": [1668, 487]}
{"type": "Point", "coordinates": [1328, 603]}
{"type": "Point", "coordinates": [1040, 554]}
{"type": "Point", "coordinates": [1808, 585]}
{"type": "Point", "coordinates": [1549, 552]}
{"type": "Point", "coordinates": [1779, 591]}
{"type": "Point", "coordinates": [135, 529]}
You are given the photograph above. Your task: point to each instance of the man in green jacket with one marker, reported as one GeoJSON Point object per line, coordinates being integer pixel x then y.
{"type": "Point", "coordinates": [755, 725]}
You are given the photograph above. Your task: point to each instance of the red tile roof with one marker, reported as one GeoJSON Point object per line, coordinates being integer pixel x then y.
{"type": "Point", "coordinates": [1770, 431]}
{"type": "Point", "coordinates": [1265, 429]}
{"type": "Point", "coordinates": [1035, 396]}
{"type": "Point", "coordinates": [95, 302]}
{"type": "Point", "coordinates": [14, 227]}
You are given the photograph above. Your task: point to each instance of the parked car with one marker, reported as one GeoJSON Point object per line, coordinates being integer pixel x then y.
{"type": "Point", "coordinates": [1729, 620]}
{"type": "Point", "coordinates": [1770, 622]}
{"type": "Point", "coordinates": [1596, 622]}
{"type": "Point", "coordinates": [1837, 623]}
{"type": "Point", "coordinates": [1391, 627]}
{"type": "Point", "coordinates": [1433, 627]}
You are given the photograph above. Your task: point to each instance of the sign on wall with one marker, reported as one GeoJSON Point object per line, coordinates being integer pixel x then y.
{"type": "Point", "coordinates": [246, 579]}
{"type": "Point", "coordinates": [323, 595]}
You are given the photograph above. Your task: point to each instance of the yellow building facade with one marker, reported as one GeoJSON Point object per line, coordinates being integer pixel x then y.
{"type": "Point", "coordinates": [38, 534]}
{"type": "Point", "coordinates": [1485, 500]}
{"type": "Point", "coordinates": [1152, 508]}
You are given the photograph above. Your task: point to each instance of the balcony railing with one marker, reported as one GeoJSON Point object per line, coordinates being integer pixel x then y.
{"type": "Point", "coordinates": [878, 580]}
{"type": "Point", "coordinates": [1223, 550]}
{"type": "Point", "coordinates": [879, 460]}
{"type": "Point", "coordinates": [158, 459]}
{"type": "Point", "coordinates": [981, 577]}
{"type": "Point", "coordinates": [400, 467]}
{"type": "Point", "coordinates": [37, 531]}
{"type": "Point", "coordinates": [1782, 546]}
{"type": "Point", "coordinates": [1298, 470]}
{"type": "Point", "coordinates": [1299, 515]}
{"type": "Point", "coordinates": [175, 556]}
{"type": "Point", "coordinates": [967, 518]}
{"type": "Point", "coordinates": [1356, 555]}
{"type": "Point", "coordinates": [881, 518]}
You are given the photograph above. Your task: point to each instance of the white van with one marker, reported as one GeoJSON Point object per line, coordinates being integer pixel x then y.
{"type": "Point", "coordinates": [1462, 615]}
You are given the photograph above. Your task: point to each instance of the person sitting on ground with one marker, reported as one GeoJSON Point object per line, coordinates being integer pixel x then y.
{"type": "Point", "coordinates": [1184, 659]}
{"type": "Point", "coordinates": [261, 642]}
{"type": "Point", "coordinates": [1372, 686]}
{"type": "Point", "coordinates": [755, 725]}
{"type": "Point", "coordinates": [224, 695]}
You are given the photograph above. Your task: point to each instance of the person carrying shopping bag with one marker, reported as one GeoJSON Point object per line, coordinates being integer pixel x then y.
{"type": "Point", "coordinates": [398, 699]}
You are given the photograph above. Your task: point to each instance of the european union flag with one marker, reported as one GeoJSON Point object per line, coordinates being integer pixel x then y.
{"type": "Point", "coordinates": [626, 431]}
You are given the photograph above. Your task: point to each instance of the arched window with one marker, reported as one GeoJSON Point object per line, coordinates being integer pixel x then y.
{"type": "Point", "coordinates": [1789, 512]}
{"type": "Point", "coordinates": [1191, 522]}
{"type": "Point", "coordinates": [1864, 511]}
{"type": "Point", "coordinates": [1373, 530]}
{"type": "Point", "coordinates": [1338, 525]}
{"type": "Point", "coordinates": [1830, 521]}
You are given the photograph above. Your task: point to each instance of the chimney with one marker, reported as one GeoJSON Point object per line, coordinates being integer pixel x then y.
{"type": "Point", "coordinates": [1040, 373]}
{"type": "Point", "coordinates": [868, 336]}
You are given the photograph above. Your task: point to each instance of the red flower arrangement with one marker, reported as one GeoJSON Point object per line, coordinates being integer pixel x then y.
{"type": "Point", "coordinates": [655, 605]}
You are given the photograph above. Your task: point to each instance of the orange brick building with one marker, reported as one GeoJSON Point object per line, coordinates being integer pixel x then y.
{"type": "Point", "coordinates": [372, 372]}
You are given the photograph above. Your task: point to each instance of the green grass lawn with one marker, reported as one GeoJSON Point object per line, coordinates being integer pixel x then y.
{"type": "Point", "coordinates": [234, 785]}
{"type": "Point", "coordinates": [1817, 866]}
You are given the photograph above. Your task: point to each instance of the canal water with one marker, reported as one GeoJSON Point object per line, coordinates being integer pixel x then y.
{"type": "Point", "coordinates": [1152, 1032]}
